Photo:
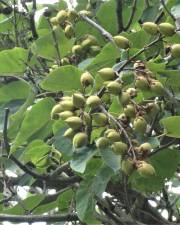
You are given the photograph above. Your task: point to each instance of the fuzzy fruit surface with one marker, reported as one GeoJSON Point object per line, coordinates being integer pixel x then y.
{"type": "Point", "coordinates": [102, 143]}
{"type": "Point", "coordinates": [80, 140]}
{"type": "Point", "coordinates": [119, 148]}
{"type": "Point", "coordinates": [124, 98]}
{"type": "Point", "coordinates": [167, 29]}
{"type": "Point", "coordinates": [157, 88]}
{"type": "Point", "coordinates": [74, 122]}
{"type": "Point", "coordinates": [107, 74]}
{"type": "Point", "coordinates": [86, 79]}
{"type": "Point", "coordinates": [145, 147]}
{"type": "Point", "coordinates": [78, 100]}
{"type": "Point", "coordinates": [113, 136]}
{"type": "Point", "coordinates": [93, 101]}
{"type": "Point", "coordinates": [130, 111]}
{"type": "Point", "coordinates": [61, 16]}
{"type": "Point", "coordinates": [121, 42]}
{"type": "Point", "coordinates": [127, 166]}
{"type": "Point", "coordinates": [140, 125]}
{"type": "Point", "coordinates": [77, 49]}
{"type": "Point", "coordinates": [175, 50]}
{"type": "Point", "coordinates": [100, 119]}
{"type": "Point", "coordinates": [146, 170]}
{"type": "Point", "coordinates": [114, 87]}
{"type": "Point", "coordinates": [150, 28]}
{"type": "Point", "coordinates": [142, 83]}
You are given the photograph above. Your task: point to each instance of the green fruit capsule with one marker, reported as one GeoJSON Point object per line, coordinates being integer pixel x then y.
{"type": "Point", "coordinates": [142, 83]}
{"type": "Point", "coordinates": [102, 143]}
{"type": "Point", "coordinates": [114, 136]}
{"type": "Point", "coordinates": [55, 110]}
{"type": "Point", "coordinates": [127, 166]}
{"type": "Point", "coordinates": [124, 98]}
{"type": "Point", "coordinates": [119, 148]}
{"type": "Point", "coordinates": [74, 122]}
{"type": "Point", "coordinates": [140, 125]}
{"type": "Point", "coordinates": [100, 119]}
{"type": "Point", "coordinates": [54, 21]}
{"type": "Point", "coordinates": [61, 16]}
{"type": "Point", "coordinates": [87, 118]}
{"type": "Point", "coordinates": [132, 92]}
{"type": "Point", "coordinates": [145, 147]}
{"type": "Point", "coordinates": [66, 114]}
{"type": "Point", "coordinates": [69, 31]}
{"type": "Point", "coordinates": [93, 101]}
{"type": "Point", "coordinates": [122, 42]}
{"type": "Point", "coordinates": [157, 87]}
{"type": "Point", "coordinates": [94, 50]}
{"type": "Point", "coordinates": [175, 50]}
{"type": "Point", "coordinates": [67, 105]}
{"type": "Point", "coordinates": [167, 29]}
{"type": "Point", "coordinates": [150, 28]}
{"type": "Point", "coordinates": [69, 133]}
{"type": "Point", "coordinates": [146, 170]}
{"type": "Point", "coordinates": [72, 15]}
{"type": "Point", "coordinates": [78, 100]}
{"type": "Point", "coordinates": [130, 111]}
{"type": "Point", "coordinates": [114, 87]}
{"type": "Point", "coordinates": [65, 61]}
{"type": "Point", "coordinates": [86, 79]}
{"type": "Point", "coordinates": [80, 140]}
{"type": "Point", "coordinates": [77, 49]}
{"type": "Point", "coordinates": [107, 74]}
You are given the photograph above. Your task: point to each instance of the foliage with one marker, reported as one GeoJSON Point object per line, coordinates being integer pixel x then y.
{"type": "Point", "coordinates": [90, 112]}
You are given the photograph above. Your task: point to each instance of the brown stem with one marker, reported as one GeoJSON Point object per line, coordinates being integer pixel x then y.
{"type": "Point", "coordinates": [131, 16]}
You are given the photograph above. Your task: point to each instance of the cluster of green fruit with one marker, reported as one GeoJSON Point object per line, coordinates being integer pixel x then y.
{"type": "Point", "coordinates": [165, 29]}
{"type": "Point", "coordinates": [82, 113]}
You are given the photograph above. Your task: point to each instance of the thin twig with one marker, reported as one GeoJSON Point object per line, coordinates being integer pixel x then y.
{"type": "Point", "coordinates": [132, 15]}
{"type": "Point", "coordinates": [5, 137]}
{"type": "Point", "coordinates": [32, 20]}
{"type": "Point", "coordinates": [161, 147]}
{"type": "Point", "coordinates": [167, 10]}
{"type": "Point", "coordinates": [119, 15]}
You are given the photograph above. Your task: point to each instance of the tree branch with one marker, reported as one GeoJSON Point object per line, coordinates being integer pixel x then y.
{"type": "Point", "coordinates": [119, 15]}
{"type": "Point", "coordinates": [167, 10]}
{"type": "Point", "coordinates": [38, 218]}
{"type": "Point", "coordinates": [131, 16]}
{"type": "Point", "coordinates": [32, 20]}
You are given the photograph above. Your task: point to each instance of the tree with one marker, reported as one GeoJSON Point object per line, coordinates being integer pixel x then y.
{"type": "Point", "coordinates": [89, 107]}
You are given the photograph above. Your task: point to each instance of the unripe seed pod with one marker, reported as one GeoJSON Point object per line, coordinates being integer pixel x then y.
{"type": "Point", "coordinates": [102, 143]}
{"type": "Point", "coordinates": [78, 100]}
{"type": "Point", "coordinates": [139, 65]}
{"type": "Point", "coordinates": [140, 125]}
{"type": "Point", "coordinates": [122, 42]}
{"type": "Point", "coordinates": [175, 50]}
{"type": "Point", "coordinates": [89, 41]}
{"type": "Point", "coordinates": [55, 110]}
{"type": "Point", "coordinates": [145, 147]}
{"type": "Point", "coordinates": [130, 111]}
{"type": "Point", "coordinates": [150, 28]}
{"type": "Point", "coordinates": [100, 119]}
{"type": "Point", "coordinates": [86, 79]}
{"type": "Point", "coordinates": [132, 92]}
{"type": "Point", "coordinates": [80, 140]}
{"type": "Point", "coordinates": [69, 31]}
{"type": "Point", "coordinates": [142, 83]}
{"type": "Point", "coordinates": [127, 166]}
{"type": "Point", "coordinates": [87, 118]}
{"type": "Point", "coordinates": [114, 87]}
{"type": "Point", "coordinates": [77, 49]}
{"type": "Point", "coordinates": [145, 169]}
{"type": "Point", "coordinates": [124, 98]}
{"type": "Point", "coordinates": [69, 133]}
{"type": "Point", "coordinates": [93, 101]}
{"type": "Point", "coordinates": [65, 61]}
{"type": "Point", "coordinates": [74, 122]}
{"type": "Point", "coordinates": [61, 16]}
{"type": "Point", "coordinates": [85, 13]}
{"type": "Point", "coordinates": [167, 29]}
{"type": "Point", "coordinates": [66, 114]}
{"type": "Point", "coordinates": [119, 148]}
{"type": "Point", "coordinates": [94, 50]}
{"type": "Point", "coordinates": [72, 15]}
{"type": "Point", "coordinates": [123, 118]}
{"type": "Point", "coordinates": [107, 74]}
{"type": "Point", "coordinates": [67, 105]}
{"type": "Point", "coordinates": [54, 21]}
{"type": "Point", "coordinates": [108, 131]}
{"type": "Point", "coordinates": [114, 136]}
{"type": "Point", "coordinates": [157, 87]}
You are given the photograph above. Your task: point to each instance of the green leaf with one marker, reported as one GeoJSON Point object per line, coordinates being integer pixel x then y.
{"type": "Point", "coordinates": [111, 159]}
{"type": "Point", "coordinates": [13, 62]}
{"type": "Point", "coordinates": [35, 119]}
{"type": "Point", "coordinates": [80, 159]}
{"type": "Point", "coordinates": [64, 200]}
{"type": "Point", "coordinates": [173, 77]}
{"type": "Point", "coordinates": [65, 78]}
{"type": "Point", "coordinates": [34, 151]}
{"type": "Point", "coordinates": [107, 12]}
{"type": "Point", "coordinates": [101, 180]}
{"type": "Point", "coordinates": [7, 91]}
{"type": "Point", "coordinates": [171, 126]}
{"type": "Point", "coordinates": [45, 47]}
{"type": "Point", "coordinates": [85, 203]}
{"type": "Point", "coordinates": [106, 58]}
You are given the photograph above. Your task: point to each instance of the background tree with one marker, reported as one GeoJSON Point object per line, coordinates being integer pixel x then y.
{"type": "Point", "coordinates": [89, 107]}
